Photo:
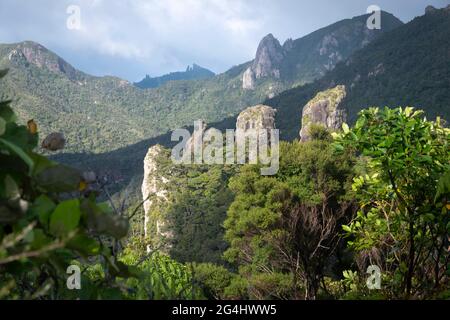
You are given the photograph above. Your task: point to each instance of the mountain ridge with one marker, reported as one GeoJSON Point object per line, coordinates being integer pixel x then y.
{"type": "Point", "coordinates": [289, 104]}
{"type": "Point", "coordinates": [194, 72]}
{"type": "Point", "coordinates": [405, 67]}
{"type": "Point", "coordinates": [94, 112]}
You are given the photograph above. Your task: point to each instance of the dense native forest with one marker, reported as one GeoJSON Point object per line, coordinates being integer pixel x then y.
{"type": "Point", "coordinates": [375, 193]}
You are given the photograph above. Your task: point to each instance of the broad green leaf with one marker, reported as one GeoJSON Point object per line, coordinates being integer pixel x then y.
{"type": "Point", "coordinates": [65, 218]}
{"type": "Point", "coordinates": [42, 207]}
{"type": "Point", "coordinates": [2, 126]}
{"type": "Point", "coordinates": [59, 178]}
{"type": "Point", "coordinates": [39, 239]}
{"type": "Point", "coordinates": [443, 187]}
{"type": "Point", "coordinates": [346, 228]}
{"type": "Point", "coordinates": [11, 188]}
{"type": "Point", "coordinates": [84, 244]}
{"type": "Point", "coordinates": [41, 163]}
{"type": "Point", "coordinates": [6, 112]}
{"type": "Point", "coordinates": [101, 219]}
{"type": "Point", "coordinates": [19, 152]}
{"type": "Point", "coordinates": [345, 128]}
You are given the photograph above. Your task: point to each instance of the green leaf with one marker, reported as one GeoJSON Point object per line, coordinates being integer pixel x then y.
{"type": "Point", "coordinates": [101, 219]}
{"type": "Point", "coordinates": [84, 244]}
{"type": "Point", "coordinates": [18, 151]}
{"type": "Point", "coordinates": [346, 228]}
{"type": "Point", "coordinates": [443, 187]}
{"type": "Point", "coordinates": [65, 218]}
{"type": "Point", "coordinates": [345, 128]}
{"type": "Point", "coordinates": [6, 112]}
{"type": "Point", "coordinates": [43, 206]}
{"type": "Point", "coordinates": [41, 163]}
{"type": "Point", "coordinates": [11, 189]}
{"type": "Point", "coordinates": [59, 178]}
{"type": "Point", "coordinates": [39, 239]}
{"type": "Point", "coordinates": [2, 126]}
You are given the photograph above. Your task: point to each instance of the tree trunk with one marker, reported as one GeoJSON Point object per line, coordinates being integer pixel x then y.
{"type": "Point", "coordinates": [312, 285]}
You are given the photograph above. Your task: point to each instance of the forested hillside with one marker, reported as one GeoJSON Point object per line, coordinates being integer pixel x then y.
{"type": "Point", "coordinates": [356, 208]}
{"type": "Point", "coordinates": [407, 66]}
{"type": "Point", "coordinates": [98, 114]}
{"type": "Point", "coordinates": [402, 80]}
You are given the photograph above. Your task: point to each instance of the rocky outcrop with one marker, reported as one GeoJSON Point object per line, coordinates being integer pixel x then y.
{"type": "Point", "coordinates": [324, 109]}
{"type": "Point", "coordinates": [153, 193]}
{"type": "Point", "coordinates": [41, 57]}
{"type": "Point", "coordinates": [256, 117]}
{"type": "Point", "coordinates": [268, 58]}
{"type": "Point", "coordinates": [194, 144]}
{"type": "Point", "coordinates": [248, 79]}
{"type": "Point", "coordinates": [267, 62]}
{"type": "Point", "coordinates": [430, 9]}
{"type": "Point", "coordinates": [288, 45]}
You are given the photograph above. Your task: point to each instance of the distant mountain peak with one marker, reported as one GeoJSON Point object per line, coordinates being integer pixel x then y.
{"type": "Point", "coordinates": [269, 56]}
{"type": "Point", "coordinates": [30, 52]}
{"type": "Point", "coordinates": [194, 67]}
{"type": "Point", "coordinates": [430, 9]}
{"type": "Point", "coordinates": [194, 72]}
{"type": "Point", "coordinates": [312, 55]}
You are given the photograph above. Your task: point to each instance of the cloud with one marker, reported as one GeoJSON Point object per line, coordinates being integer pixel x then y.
{"type": "Point", "coordinates": [167, 31]}
{"type": "Point", "coordinates": [129, 38]}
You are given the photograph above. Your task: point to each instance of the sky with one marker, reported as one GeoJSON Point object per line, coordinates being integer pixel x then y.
{"type": "Point", "coordinates": [132, 38]}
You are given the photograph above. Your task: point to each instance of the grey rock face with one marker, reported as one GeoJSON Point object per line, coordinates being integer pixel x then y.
{"type": "Point", "coordinates": [41, 57]}
{"type": "Point", "coordinates": [256, 117]}
{"type": "Point", "coordinates": [430, 9]}
{"type": "Point", "coordinates": [267, 62]}
{"type": "Point", "coordinates": [324, 109]}
{"type": "Point", "coordinates": [153, 190]}
{"type": "Point", "coordinates": [268, 57]}
{"type": "Point", "coordinates": [248, 79]}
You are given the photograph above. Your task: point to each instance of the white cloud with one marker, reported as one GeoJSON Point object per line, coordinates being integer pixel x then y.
{"type": "Point", "coordinates": [167, 34]}
{"type": "Point", "coordinates": [132, 37]}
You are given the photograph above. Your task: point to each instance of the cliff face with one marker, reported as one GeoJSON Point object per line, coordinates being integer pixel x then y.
{"type": "Point", "coordinates": [324, 109]}
{"type": "Point", "coordinates": [256, 117]}
{"type": "Point", "coordinates": [308, 58]}
{"type": "Point", "coordinates": [154, 193]}
{"type": "Point", "coordinates": [158, 187]}
{"type": "Point", "coordinates": [269, 56]}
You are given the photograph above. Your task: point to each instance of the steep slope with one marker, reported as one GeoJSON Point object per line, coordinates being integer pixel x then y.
{"type": "Point", "coordinates": [416, 72]}
{"type": "Point", "coordinates": [192, 73]}
{"type": "Point", "coordinates": [308, 58]}
{"type": "Point", "coordinates": [407, 66]}
{"type": "Point", "coordinates": [99, 114]}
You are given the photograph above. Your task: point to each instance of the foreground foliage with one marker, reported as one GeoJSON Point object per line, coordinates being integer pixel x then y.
{"type": "Point", "coordinates": [403, 225]}
{"type": "Point", "coordinates": [51, 225]}
{"type": "Point", "coordinates": [284, 230]}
